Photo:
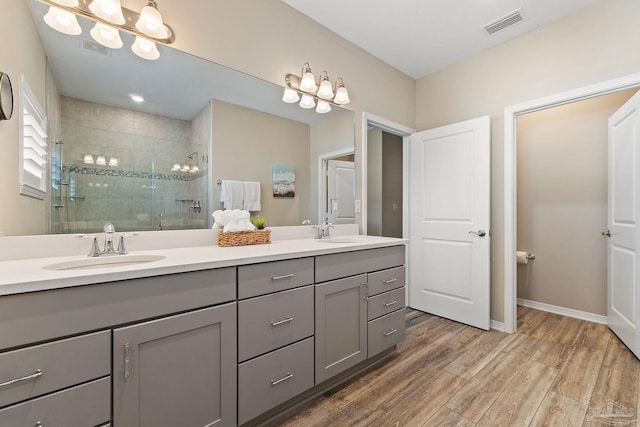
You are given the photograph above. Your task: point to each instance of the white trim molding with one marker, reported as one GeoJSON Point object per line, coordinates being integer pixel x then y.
{"type": "Point", "coordinates": [510, 215]}
{"type": "Point", "coordinates": [564, 311]}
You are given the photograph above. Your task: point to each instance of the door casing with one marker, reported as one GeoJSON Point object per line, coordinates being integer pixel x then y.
{"type": "Point", "coordinates": [510, 231]}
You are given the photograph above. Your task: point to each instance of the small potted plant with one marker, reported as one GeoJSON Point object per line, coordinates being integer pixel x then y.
{"type": "Point", "coordinates": [258, 222]}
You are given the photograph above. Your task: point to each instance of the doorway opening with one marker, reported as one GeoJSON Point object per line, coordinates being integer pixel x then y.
{"type": "Point", "coordinates": [510, 182]}
{"type": "Point", "coordinates": [561, 196]}
{"type": "Point", "coordinates": [385, 183]}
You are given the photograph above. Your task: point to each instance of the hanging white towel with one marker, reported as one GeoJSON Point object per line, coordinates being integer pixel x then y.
{"type": "Point", "coordinates": [231, 194]}
{"type": "Point", "coordinates": [251, 196]}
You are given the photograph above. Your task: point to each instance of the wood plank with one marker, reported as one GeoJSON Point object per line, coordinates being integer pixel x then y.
{"type": "Point", "coordinates": [617, 352]}
{"type": "Point", "coordinates": [579, 374]}
{"type": "Point", "coordinates": [447, 418]}
{"type": "Point", "coordinates": [538, 324]}
{"type": "Point", "coordinates": [517, 405]}
{"type": "Point", "coordinates": [558, 410]}
{"type": "Point", "coordinates": [566, 331]}
{"type": "Point", "coordinates": [474, 398]}
{"type": "Point", "coordinates": [615, 394]}
{"type": "Point", "coordinates": [553, 354]}
{"type": "Point", "coordinates": [523, 344]}
{"type": "Point", "coordinates": [485, 348]}
{"type": "Point", "coordinates": [322, 413]}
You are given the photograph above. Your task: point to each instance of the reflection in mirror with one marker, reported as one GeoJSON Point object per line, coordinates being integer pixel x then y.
{"type": "Point", "coordinates": [154, 164]}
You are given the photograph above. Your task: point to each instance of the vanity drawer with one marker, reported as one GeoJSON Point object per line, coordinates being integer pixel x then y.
{"type": "Point", "coordinates": [336, 266]}
{"type": "Point", "coordinates": [386, 280]}
{"type": "Point", "coordinates": [264, 325]}
{"type": "Point", "coordinates": [385, 332]}
{"type": "Point", "coordinates": [269, 380]}
{"type": "Point", "coordinates": [385, 303]}
{"type": "Point", "coordinates": [82, 406]}
{"type": "Point", "coordinates": [61, 364]}
{"type": "Point", "coordinates": [268, 277]}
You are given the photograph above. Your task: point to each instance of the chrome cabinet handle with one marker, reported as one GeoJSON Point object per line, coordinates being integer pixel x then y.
{"type": "Point", "coordinates": [606, 233]}
{"type": "Point", "coordinates": [391, 332]}
{"type": "Point", "coordinates": [479, 233]}
{"type": "Point", "coordinates": [127, 359]}
{"type": "Point", "coordinates": [33, 376]}
{"type": "Point", "coordinates": [386, 282]}
{"type": "Point", "coordinates": [285, 276]}
{"type": "Point", "coordinates": [389, 304]}
{"type": "Point", "coordinates": [39, 424]}
{"type": "Point", "coordinates": [280, 322]}
{"type": "Point", "coordinates": [287, 376]}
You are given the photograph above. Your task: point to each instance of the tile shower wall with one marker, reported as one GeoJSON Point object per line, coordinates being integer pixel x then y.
{"type": "Point", "coordinates": [133, 194]}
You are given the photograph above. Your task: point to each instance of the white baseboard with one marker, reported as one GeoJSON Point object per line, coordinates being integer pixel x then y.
{"type": "Point", "coordinates": [498, 326]}
{"type": "Point", "coordinates": [569, 312]}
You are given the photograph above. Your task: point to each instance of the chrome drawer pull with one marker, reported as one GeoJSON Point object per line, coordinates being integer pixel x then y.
{"type": "Point", "coordinates": [19, 380]}
{"type": "Point", "coordinates": [288, 376]}
{"type": "Point", "coordinates": [389, 304]}
{"type": "Point", "coordinates": [391, 332]}
{"type": "Point", "coordinates": [386, 282]}
{"type": "Point", "coordinates": [280, 322]}
{"type": "Point", "coordinates": [285, 276]}
{"type": "Point", "coordinates": [39, 424]}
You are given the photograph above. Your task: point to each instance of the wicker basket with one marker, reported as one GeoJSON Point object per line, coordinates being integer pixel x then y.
{"type": "Point", "coordinates": [242, 238]}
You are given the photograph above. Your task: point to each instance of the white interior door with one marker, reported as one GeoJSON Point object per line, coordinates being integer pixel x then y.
{"type": "Point", "coordinates": [623, 287]}
{"type": "Point", "coordinates": [341, 191]}
{"type": "Point", "coordinates": [449, 203]}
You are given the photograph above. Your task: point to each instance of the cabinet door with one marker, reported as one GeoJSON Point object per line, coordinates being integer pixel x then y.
{"type": "Point", "coordinates": [177, 371]}
{"type": "Point", "coordinates": [341, 325]}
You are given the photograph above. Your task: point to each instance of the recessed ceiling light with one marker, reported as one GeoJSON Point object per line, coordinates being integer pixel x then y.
{"type": "Point", "coordinates": [136, 98]}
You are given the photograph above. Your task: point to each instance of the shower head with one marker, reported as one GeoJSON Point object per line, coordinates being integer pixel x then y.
{"type": "Point", "coordinates": [192, 155]}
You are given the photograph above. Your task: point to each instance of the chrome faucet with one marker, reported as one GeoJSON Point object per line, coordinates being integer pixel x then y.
{"type": "Point", "coordinates": [109, 229]}
{"type": "Point", "coordinates": [322, 230]}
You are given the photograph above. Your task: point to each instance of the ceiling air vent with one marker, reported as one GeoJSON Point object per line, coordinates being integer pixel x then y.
{"type": "Point", "coordinates": [504, 22]}
{"type": "Point", "coordinates": [96, 47]}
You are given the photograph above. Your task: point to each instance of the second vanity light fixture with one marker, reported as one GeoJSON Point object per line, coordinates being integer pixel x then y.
{"type": "Point", "coordinates": [306, 90]}
{"type": "Point", "coordinates": [110, 17]}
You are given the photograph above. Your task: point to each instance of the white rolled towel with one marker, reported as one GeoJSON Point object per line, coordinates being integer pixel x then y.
{"type": "Point", "coordinates": [237, 220]}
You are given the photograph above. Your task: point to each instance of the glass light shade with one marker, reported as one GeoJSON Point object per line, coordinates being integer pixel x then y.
{"type": "Point", "coordinates": [150, 23]}
{"type": "Point", "coordinates": [342, 96]}
{"type": "Point", "coordinates": [323, 107]}
{"type": "Point", "coordinates": [185, 168]}
{"type": "Point", "coordinates": [326, 90]}
{"type": "Point", "coordinates": [62, 21]}
{"type": "Point", "coordinates": [70, 3]}
{"type": "Point", "coordinates": [113, 162]}
{"type": "Point", "coordinates": [109, 10]}
{"type": "Point", "coordinates": [145, 49]}
{"type": "Point", "coordinates": [308, 82]}
{"type": "Point", "coordinates": [88, 159]}
{"type": "Point", "coordinates": [194, 169]}
{"type": "Point", "coordinates": [176, 167]}
{"type": "Point", "coordinates": [101, 160]}
{"type": "Point", "coordinates": [106, 36]}
{"type": "Point", "coordinates": [290, 96]}
{"type": "Point", "coordinates": [307, 101]}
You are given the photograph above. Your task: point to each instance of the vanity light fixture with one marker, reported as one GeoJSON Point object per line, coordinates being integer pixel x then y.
{"type": "Point", "coordinates": [113, 161]}
{"type": "Point", "coordinates": [310, 90]}
{"type": "Point", "coordinates": [136, 98]}
{"type": "Point", "coordinates": [110, 17]}
{"type": "Point", "coordinates": [101, 160]}
{"type": "Point", "coordinates": [88, 159]}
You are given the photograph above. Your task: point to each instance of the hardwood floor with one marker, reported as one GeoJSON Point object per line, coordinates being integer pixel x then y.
{"type": "Point", "coordinates": [556, 371]}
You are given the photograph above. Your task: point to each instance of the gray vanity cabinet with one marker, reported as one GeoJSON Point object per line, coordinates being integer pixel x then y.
{"type": "Point", "coordinates": [177, 371]}
{"type": "Point", "coordinates": [359, 297]}
{"type": "Point", "coordinates": [341, 325]}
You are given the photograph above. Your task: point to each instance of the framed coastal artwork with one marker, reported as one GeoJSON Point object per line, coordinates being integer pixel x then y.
{"type": "Point", "coordinates": [284, 181]}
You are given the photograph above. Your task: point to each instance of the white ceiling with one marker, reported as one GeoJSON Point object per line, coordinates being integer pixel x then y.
{"type": "Point", "coordinates": [419, 37]}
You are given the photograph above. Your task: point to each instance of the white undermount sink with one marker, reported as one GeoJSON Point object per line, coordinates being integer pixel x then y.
{"type": "Point", "coordinates": [104, 262]}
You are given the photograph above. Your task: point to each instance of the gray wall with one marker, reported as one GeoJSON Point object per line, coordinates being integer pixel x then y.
{"type": "Point", "coordinates": [391, 185]}
{"type": "Point", "coordinates": [374, 182]}
{"type": "Point", "coordinates": [562, 203]}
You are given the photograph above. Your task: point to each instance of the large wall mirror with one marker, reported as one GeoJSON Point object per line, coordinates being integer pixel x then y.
{"type": "Point", "coordinates": [156, 164]}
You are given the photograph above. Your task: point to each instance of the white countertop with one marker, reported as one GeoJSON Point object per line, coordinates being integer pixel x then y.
{"type": "Point", "coordinates": [29, 275]}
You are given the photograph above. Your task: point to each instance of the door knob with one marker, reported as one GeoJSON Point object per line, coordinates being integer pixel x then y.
{"type": "Point", "coordinates": [606, 233]}
{"type": "Point", "coordinates": [479, 233]}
